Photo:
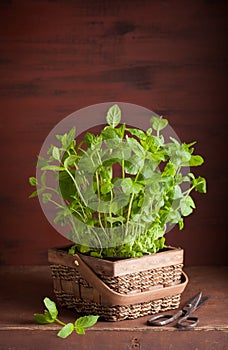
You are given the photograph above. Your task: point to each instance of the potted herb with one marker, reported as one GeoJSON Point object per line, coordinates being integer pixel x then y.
{"type": "Point", "coordinates": [118, 193]}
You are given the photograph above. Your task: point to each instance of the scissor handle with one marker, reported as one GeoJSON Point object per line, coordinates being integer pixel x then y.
{"type": "Point", "coordinates": [187, 322]}
{"type": "Point", "coordinates": [164, 319]}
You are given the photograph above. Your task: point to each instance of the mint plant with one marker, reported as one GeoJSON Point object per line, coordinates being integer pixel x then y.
{"type": "Point", "coordinates": [119, 191]}
{"type": "Point", "coordinates": [50, 316]}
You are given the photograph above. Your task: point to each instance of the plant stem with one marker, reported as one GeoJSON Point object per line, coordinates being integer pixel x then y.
{"type": "Point", "coordinates": [130, 206]}
{"type": "Point", "coordinates": [122, 166]}
{"type": "Point", "coordinates": [76, 185]}
{"type": "Point", "coordinates": [60, 322]}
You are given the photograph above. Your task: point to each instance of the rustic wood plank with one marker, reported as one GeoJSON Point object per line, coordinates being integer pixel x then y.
{"type": "Point", "coordinates": [23, 289]}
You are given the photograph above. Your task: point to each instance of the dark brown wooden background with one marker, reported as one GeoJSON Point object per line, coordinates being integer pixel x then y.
{"type": "Point", "coordinates": [59, 56]}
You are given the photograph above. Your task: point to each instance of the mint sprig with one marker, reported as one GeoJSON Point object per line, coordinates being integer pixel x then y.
{"type": "Point", "coordinates": [50, 316]}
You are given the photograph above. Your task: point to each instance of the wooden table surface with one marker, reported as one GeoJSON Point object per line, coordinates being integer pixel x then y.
{"type": "Point", "coordinates": [23, 289]}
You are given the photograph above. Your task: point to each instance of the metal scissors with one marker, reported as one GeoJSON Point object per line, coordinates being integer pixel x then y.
{"type": "Point", "coordinates": [185, 321]}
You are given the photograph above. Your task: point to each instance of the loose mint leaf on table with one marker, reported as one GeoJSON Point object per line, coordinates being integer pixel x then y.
{"type": "Point", "coordinates": [86, 321]}
{"type": "Point", "coordinates": [42, 319]}
{"type": "Point", "coordinates": [50, 305]}
{"type": "Point", "coordinates": [50, 316]}
{"type": "Point", "coordinates": [66, 330]}
{"type": "Point", "coordinates": [79, 330]}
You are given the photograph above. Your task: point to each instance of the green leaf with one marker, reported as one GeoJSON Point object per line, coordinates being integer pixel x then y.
{"type": "Point", "coordinates": [43, 179]}
{"type": "Point", "coordinates": [170, 169]}
{"type": "Point", "coordinates": [86, 321]}
{"type": "Point", "coordinates": [196, 161]}
{"type": "Point", "coordinates": [32, 181]}
{"type": "Point", "coordinates": [133, 165]}
{"type": "Point", "coordinates": [89, 139]}
{"type": "Point", "coordinates": [70, 137]}
{"type": "Point", "coordinates": [36, 193]}
{"type": "Point", "coordinates": [66, 330]}
{"type": "Point", "coordinates": [106, 187]}
{"type": "Point", "coordinates": [137, 187]}
{"type": "Point", "coordinates": [42, 319]}
{"type": "Point", "coordinates": [181, 224]}
{"type": "Point", "coordinates": [108, 133]}
{"type": "Point", "coordinates": [67, 139]}
{"type": "Point", "coordinates": [158, 123]}
{"type": "Point", "coordinates": [69, 161]}
{"type": "Point", "coordinates": [56, 153]}
{"type": "Point", "coordinates": [50, 305]}
{"type": "Point", "coordinates": [138, 133]}
{"type": "Point", "coordinates": [71, 250]}
{"type": "Point", "coordinates": [200, 184]}
{"type": "Point", "coordinates": [113, 116]}
{"type": "Point", "coordinates": [48, 316]}
{"type": "Point", "coordinates": [81, 330]}
{"type": "Point", "coordinates": [186, 205]}
{"type": "Point", "coordinates": [126, 185]}
{"type": "Point", "coordinates": [136, 147]}
{"type": "Point", "coordinates": [46, 197]}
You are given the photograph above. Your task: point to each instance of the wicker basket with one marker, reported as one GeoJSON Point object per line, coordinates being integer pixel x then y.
{"type": "Point", "coordinates": [123, 289]}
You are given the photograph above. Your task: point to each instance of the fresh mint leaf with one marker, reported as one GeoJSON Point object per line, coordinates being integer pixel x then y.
{"type": "Point", "coordinates": [32, 181]}
{"type": "Point", "coordinates": [138, 133]}
{"type": "Point", "coordinates": [67, 139]}
{"type": "Point", "coordinates": [43, 179]}
{"type": "Point", "coordinates": [126, 185]}
{"type": "Point", "coordinates": [36, 193]}
{"type": "Point", "coordinates": [41, 319]}
{"type": "Point", "coordinates": [46, 197]}
{"type": "Point", "coordinates": [106, 187]}
{"type": "Point", "coordinates": [70, 137]}
{"type": "Point", "coordinates": [79, 330]}
{"type": "Point", "coordinates": [158, 123]}
{"type": "Point", "coordinates": [108, 133]}
{"type": "Point", "coordinates": [69, 161]}
{"type": "Point", "coordinates": [181, 224]}
{"type": "Point", "coordinates": [71, 250]}
{"type": "Point", "coordinates": [113, 116]}
{"type": "Point", "coordinates": [186, 205]}
{"type": "Point", "coordinates": [48, 316]}
{"type": "Point", "coordinates": [89, 139]}
{"type": "Point", "coordinates": [200, 184]}
{"type": "Point", "coordinates": [196, 161]}
{"type": "Point", "coordinates": [86, 321]}
{"type": "Point", "coordinates": [56, 153]}
{"type": "Point", "coordinates": [51, 306]}
{"type": "Point", "coordinates": [136, 147]}
{"type": "Point", "coordinates": [66, 330]}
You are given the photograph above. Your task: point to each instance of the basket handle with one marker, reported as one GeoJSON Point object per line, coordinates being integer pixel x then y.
{"type": "Point", "coordinates": [109, 297]}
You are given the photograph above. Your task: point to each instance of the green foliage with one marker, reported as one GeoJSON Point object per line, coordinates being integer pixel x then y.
{"type": "Point", "coordinates": [50, 316]}
{"type": "Point", "coordinates": [113, 116]}
{"type": "Point", "coordinates": [147, 193]}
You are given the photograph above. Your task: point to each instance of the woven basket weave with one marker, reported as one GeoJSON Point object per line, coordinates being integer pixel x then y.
{"type": "Point", "coordinates": [95, 286]}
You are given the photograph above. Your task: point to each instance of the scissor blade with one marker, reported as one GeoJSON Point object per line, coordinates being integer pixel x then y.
{"type": "Point", "coordinates": [202, 301]}
{"type": "Point", "coordinates": [192, 304]}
